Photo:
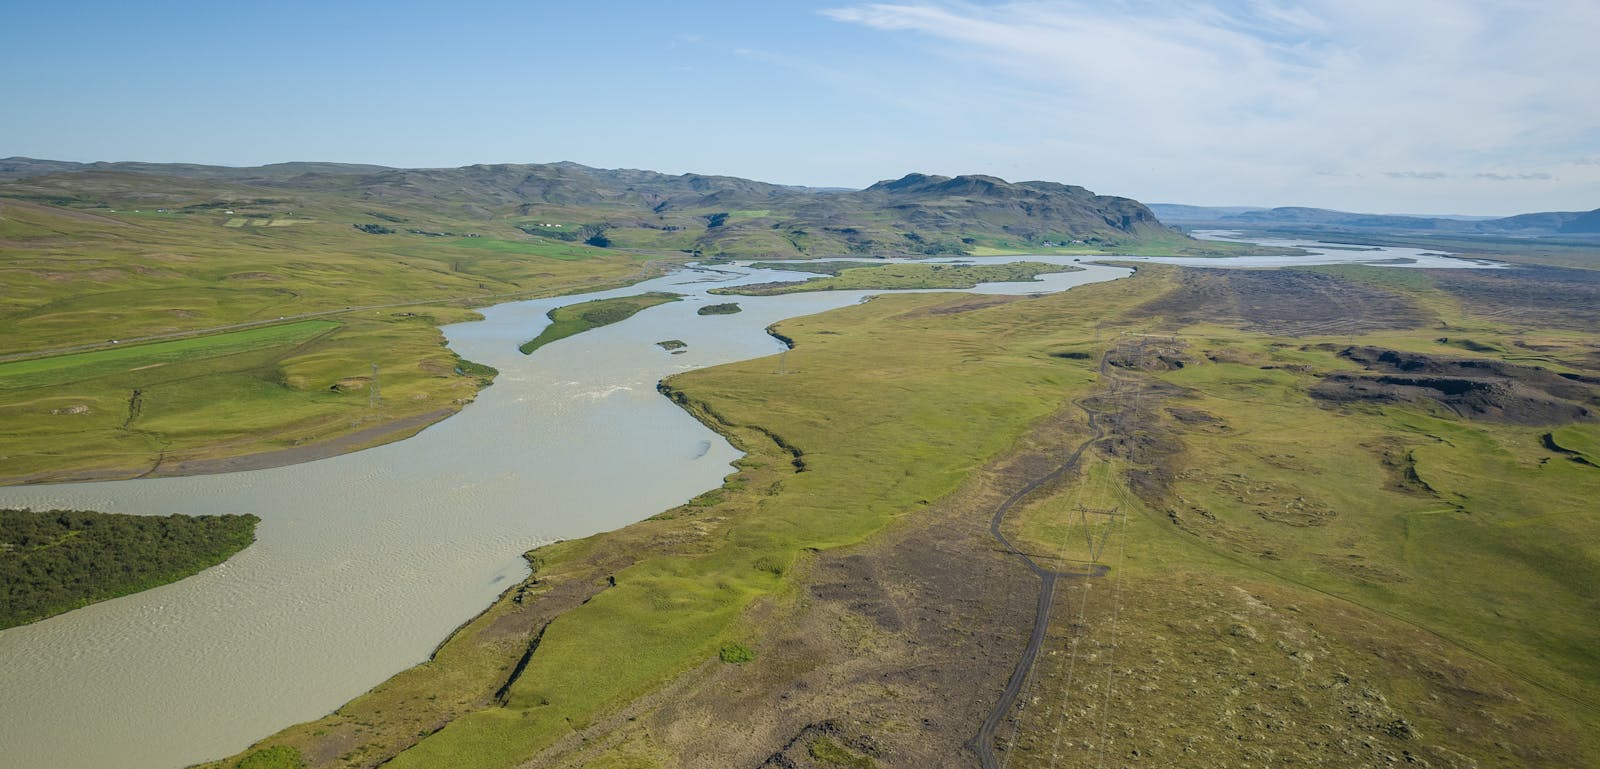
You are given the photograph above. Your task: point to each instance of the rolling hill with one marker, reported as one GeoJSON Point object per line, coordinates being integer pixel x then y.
{"type": "Point", "coordinates": [711, 215]}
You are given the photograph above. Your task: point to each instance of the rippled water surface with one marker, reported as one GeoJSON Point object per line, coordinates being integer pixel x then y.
{"type": "Point", "coordinates": [364, 562]}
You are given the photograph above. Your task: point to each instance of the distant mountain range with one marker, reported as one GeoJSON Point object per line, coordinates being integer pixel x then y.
{"type": "Point", "coordinates": [1524, 225]}
{"type": "Point", "coordinates": [916, 214]}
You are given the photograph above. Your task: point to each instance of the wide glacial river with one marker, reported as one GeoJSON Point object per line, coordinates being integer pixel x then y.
{"type": "Point", "coordinates": [363, 563]}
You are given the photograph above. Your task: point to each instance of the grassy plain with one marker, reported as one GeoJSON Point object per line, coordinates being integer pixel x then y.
{"type": "Point", "coordinates": [73, 367]}
{"type": "Point", "coordinates": [95, 265]}
{"type": "Point", "coordinates": [1293, 579]}
{"type": "Point", "coordinates": [578, 318]}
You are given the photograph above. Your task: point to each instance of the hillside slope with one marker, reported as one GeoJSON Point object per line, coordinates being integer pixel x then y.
{"type": "Point", "coordinates": [711, 215]}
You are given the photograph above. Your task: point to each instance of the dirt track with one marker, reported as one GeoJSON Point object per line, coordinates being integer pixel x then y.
{"type": "Point", "coordinates": [983, 743]}
{"type": "Point", "coordinates": [896, 649]}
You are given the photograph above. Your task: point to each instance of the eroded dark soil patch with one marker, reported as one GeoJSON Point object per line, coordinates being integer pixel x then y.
{"type": "Point", "coordinates": [1531, 296]}
{"type": "Point", "coordinates": [1474, 388]}
{"type": "Point", "coordinates": [1283, 303]}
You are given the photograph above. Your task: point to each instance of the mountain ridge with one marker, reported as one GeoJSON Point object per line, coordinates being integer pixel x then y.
{"type": "Point", "coordinates": [1534, 224]}
{"type": "Point", "coordinates": [700, 213]}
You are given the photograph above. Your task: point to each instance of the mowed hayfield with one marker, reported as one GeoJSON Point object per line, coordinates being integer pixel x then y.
{"type": "Point", "coordinates": [77, 367]}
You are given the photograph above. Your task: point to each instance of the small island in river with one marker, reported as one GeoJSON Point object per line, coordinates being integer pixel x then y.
{"type": "Point", "coordinates": [578, 318]}
{"type": "Point", "coordinates": [725, 308]}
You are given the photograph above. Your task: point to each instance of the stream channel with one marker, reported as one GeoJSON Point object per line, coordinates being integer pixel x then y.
{"type": "Point", "coordinates": [363, 563]}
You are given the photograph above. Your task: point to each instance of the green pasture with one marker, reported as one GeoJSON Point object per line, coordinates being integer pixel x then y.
{"type": "Point", "coordinates": [235, 393]}
{"type": "Point", "coordinates": [86, 277]}
{"type": "Point", "coordinates": [561, 251]}
{"type": "Point", "coordinates": [1473, 530]}
{"type": "Point", "coordinates": [1581, 440]}
{"type": "Point", "coordinates": [77, 367]}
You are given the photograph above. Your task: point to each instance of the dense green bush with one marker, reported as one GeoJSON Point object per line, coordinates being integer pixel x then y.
{"type": "Point", "coordinates": [736, 653]}
{"type": "Point", "coordinates": [58, 560]}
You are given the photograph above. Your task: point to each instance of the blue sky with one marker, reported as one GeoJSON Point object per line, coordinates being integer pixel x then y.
{"type": "Point", "coordinates": [1427, 106]}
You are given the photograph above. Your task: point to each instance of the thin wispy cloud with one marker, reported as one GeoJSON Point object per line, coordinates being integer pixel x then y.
{"type": "Point", "coordinates": [1279, 90]}
{"type": "Point", "coordinates": [1416, 175]}
{"type": "Point", "coordinates": [1493, 177]}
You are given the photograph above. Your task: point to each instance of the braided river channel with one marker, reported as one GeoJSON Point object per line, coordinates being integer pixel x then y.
{"type": "Point", "coordinates": [363, 563]}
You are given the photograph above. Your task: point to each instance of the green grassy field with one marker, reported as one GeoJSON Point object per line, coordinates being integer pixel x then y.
{"type": "Point", "coordinates": [578, 318]}
{"type": "Point", "coordinates": [1480, 552]}
{"type": "Point", "coordinates": [125, 411]}
{"type": "Point", "coordinates": [1437, 559]}
{"type": "Point", "coordinates": [569, 253]}
{"type": "Point", "coordinates": [95, 270]}
{"type": "Point", "coordinates": [65, 369]}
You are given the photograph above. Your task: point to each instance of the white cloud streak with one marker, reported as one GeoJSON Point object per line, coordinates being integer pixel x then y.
{"type": "Point", "coordinates": [1277, 92]}
{"type": "Point", "coordinates": [1416, 175]}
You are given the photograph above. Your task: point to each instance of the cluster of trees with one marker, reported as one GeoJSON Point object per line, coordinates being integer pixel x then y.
{"type": "Point", "coordinates": [57, 560]}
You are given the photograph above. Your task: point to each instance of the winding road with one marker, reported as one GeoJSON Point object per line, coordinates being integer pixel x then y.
{"type": "Point", "coordinates": [983, 742]}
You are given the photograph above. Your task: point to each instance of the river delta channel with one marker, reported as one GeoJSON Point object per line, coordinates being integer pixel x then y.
{"type": "Point", "coordinates": [364, 562]}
